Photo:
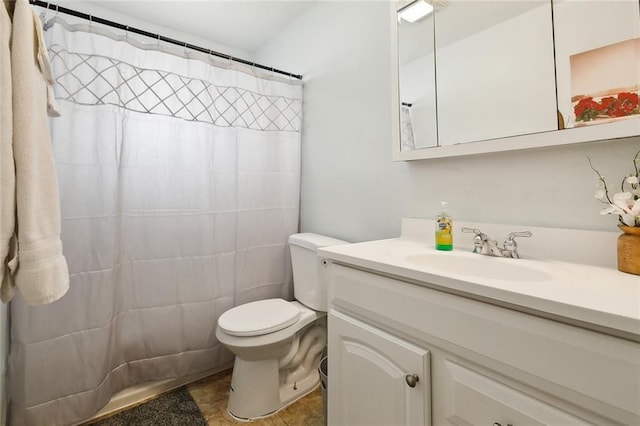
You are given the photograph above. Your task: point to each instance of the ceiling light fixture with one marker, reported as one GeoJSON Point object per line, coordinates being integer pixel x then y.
{"type": "Point", "coordinates": [415, 10]}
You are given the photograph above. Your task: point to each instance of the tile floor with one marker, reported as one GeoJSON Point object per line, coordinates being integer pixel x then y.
{"type": "Point", "coordinates": [211, 395]}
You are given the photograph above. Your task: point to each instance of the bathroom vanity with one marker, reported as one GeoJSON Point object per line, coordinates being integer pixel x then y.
{"type": "Point", "coordinates": [420, 337]}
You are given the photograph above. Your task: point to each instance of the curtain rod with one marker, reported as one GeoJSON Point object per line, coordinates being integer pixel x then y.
{"type": "Point", "coordinates": [91, 18]}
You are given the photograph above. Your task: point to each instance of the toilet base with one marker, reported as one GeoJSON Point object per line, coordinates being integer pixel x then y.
{"type": "Point", "coordinates": [256, 390]}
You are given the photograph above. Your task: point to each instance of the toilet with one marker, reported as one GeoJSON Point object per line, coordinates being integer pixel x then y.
{"type": "Point", "coordinates": [277, 343]}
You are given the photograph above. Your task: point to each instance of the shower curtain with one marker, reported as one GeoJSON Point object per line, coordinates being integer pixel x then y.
{"type": "Point", "coordinates": [179, 185]}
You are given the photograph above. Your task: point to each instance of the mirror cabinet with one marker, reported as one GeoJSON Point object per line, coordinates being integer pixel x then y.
{"type": "Point", "coordinates": [486, 76]}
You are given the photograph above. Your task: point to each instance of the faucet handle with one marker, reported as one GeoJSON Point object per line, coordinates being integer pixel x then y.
{"type": "Point", "coordinates": [512, 235]}
{"type": "Point", "coordinates": [472, 231]}
{"type": "Point", "coordinates": [479, 239]}
{"type": "Point", "coordinates": [510, 245]}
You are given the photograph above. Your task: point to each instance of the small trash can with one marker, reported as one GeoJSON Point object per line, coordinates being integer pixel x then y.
{"type": "Point", "coordinates": [323, 369]}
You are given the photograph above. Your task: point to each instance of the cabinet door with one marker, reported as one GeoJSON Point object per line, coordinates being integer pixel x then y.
{"type": "Point", "coordinates": [370, 376]}
{"type": "Point", "coordinates": [494, 70]}
{"type": "Point", "coordinates": [473, 398]}
{"type": "Point", "coordinates": [597, 60]}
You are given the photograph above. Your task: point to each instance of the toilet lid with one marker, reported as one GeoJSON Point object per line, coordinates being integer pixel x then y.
{"type": "Point", "coordinates": [258, 318]}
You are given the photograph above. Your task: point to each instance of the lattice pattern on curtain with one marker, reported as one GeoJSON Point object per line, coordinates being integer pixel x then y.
{"type": "Point", "coordinates": [91, 79]}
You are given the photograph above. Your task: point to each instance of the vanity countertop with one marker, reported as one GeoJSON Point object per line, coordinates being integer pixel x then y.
{"type": "Point", "coordinates": [599, 298]}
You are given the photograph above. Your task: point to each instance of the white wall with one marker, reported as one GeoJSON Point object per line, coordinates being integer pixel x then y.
{"type": "Point", "coordinates": [102, 9]}
{"type": "Point", "coordinates": [350, 187]}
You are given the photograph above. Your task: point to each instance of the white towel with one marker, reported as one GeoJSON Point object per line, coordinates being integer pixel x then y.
{"type": "Point", "coordinates": [40, 270]}
{"type": "Point", "coordinates": [7, 168]}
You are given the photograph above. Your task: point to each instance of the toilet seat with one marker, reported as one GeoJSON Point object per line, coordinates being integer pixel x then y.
{"type": "Point", "coordinates": [259, 318]}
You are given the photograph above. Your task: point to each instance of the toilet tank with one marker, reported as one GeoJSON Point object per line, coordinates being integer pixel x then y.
{"type": "Point", "coordinates": [309, 287]}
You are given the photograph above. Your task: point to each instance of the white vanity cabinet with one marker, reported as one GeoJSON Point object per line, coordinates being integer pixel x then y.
{"type": "Point", "coordinates": [478, 363]}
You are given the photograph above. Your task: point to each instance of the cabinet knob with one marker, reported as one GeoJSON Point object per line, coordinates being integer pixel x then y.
{"type": "Point", "coordinates": [412, 379]}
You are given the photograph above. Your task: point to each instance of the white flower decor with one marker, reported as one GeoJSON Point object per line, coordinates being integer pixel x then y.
{"type": "Point", "coordinates": [626, 203]}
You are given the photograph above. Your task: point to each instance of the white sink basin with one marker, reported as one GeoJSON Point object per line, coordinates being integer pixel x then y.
{"type": "Point", "coordinates": [479, 266]}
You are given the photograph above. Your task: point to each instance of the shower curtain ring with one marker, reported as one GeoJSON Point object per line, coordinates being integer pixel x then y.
{"type": "Point", "coordinates": [43, 15]}
{"type": "Point", "coordinates": [45, 22]}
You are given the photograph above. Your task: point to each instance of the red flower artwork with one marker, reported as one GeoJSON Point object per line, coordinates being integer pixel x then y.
{"type": "Point", "coordinates": [624, 104]}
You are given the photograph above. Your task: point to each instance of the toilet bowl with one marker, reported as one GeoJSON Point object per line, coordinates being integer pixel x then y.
{"type": "Point", "coordinates": [273, 370]}
{"type": "Point", "coordinates": [277, 343]}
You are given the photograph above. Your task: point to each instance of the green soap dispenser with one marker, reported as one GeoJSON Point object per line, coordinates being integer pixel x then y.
{"type": "Point", "coordinates": [444, 229]}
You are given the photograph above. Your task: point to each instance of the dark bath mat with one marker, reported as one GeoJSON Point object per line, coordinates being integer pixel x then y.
{"type": "Point", "coordinates": [176, 408]}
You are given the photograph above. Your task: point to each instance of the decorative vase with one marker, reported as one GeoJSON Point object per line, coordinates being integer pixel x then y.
{"type": "Point", "coordinates": [629, 250]}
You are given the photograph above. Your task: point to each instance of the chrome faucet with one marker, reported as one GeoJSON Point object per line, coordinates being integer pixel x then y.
{"type": "Point", "coordinates": [482, 244]}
